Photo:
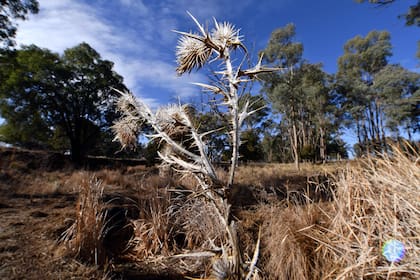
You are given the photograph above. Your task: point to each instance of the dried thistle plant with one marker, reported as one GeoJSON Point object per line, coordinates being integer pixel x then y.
{"type": "Point", "coordinates": [221, 41]}
{"type": "Point", "coordinates": [172, 125]}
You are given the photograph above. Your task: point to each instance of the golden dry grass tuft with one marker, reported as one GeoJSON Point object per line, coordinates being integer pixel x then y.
{"type": "Point", "coordinates": [287, 252]}
{"type": "Point", "coordinates": [83, 239]}
{"type": "Point", "coordinates": [153, 227]}
{"type": "Point", "coordinates": [376, 200]}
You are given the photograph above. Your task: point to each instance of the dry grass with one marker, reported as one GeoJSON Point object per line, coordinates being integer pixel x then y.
{"type": "Point", "coordinates": [286, 251]}
{"type": "Point", "coordinates": [152, 230]}
{"type": "Point", "coordinates": [84, 239]}
{"type": "Point", "coordinates": [376, 200]}
{"type": "Point", "coordinates": [171, 222]}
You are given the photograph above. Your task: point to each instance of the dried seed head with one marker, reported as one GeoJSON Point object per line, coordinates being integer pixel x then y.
{"type": "Point", "coordinates": [225, 35]}
{"type": "Point", "coordinates": [173, 119]}
{"type": "Point", "coordinates": [191, 53]}
{"type": "Point", "coordinates": [126, 131]}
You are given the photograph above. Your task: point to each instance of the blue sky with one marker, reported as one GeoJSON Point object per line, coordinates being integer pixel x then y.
{"type": "Point", "coordinates": [136, 34]}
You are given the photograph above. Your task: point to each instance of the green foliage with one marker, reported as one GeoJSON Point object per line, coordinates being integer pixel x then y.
{"type": "Point", "coordinates": [71, 94]}
{"type": "Point", "coordinates": [9, 12]}
{"type": "Point", "coordinates": [412, 17]}
{"type": "Point", "coordinates": [276, 142]}
{"type": "Point", "coordinates": [22, 78]}
{"type": "Point", "coordinates": [400, 90]}
{"type": "Point", "coordinates": [363, 58]}
{"type": "Point", "coordinates": [337, 148]}
{"type": "Point", "coordinates": [250, 149]}
{"type": "Point", "coordinates": [308, 152]}
{"type": "Point", "coordinates": [281, 48]}
{"type": "Point", "coordinates": [303, 94]}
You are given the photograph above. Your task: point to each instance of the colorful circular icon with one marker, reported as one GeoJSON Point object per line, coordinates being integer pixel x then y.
{"type": "Point", "coordinates": [393, 250]}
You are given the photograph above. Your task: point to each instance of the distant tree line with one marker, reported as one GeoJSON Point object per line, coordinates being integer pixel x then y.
{"type": "Point", "coordinates": [65, 102]}
{"type": "Point", "coordinates": [369, 95]}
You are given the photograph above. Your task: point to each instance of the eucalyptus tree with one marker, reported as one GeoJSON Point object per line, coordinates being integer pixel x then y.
{"type": "Point", "coordinates": [363, 58]}
{"type": "Point", "coordinates": [323, 115]}
{"type": "Point", "coordinates": [283, 88]}
{"type": "Point", "coordinates": [400, 93]}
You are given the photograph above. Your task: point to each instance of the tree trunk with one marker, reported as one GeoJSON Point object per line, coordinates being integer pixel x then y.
{"type": "Point", "coordinates": [76, 145]}
{"type": "Point", "coordinates": [366, 139]}
{"type": "Point", "coordinates": [410, 136]}
{"type": "Point", "coordinates": [382, 127]}
{"type": "Point", "coordinates": [76, 152]}
{"type": "Point", "coordinates": [322, 149]}
{"type": "Point", "coordinates": [295, 147]}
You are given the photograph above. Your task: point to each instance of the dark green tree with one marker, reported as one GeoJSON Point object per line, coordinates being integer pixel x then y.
{"type": "Point", "coordinates": [251, 148]}
{"type": "Point", "coordinates": [399, 90]}
{"type": "Point", "coordinates": [26, 75]}
{"type": "Point", "coordinates": [71, 93]}
{"type": "Point", "coordinates": [87, 99]}
{"type": "Point", "coordinates": [303, 94]}
{"type": "Point", "coordinates": [10, 11]}
{"type": "Point", "coordinates": [282, 89]}
{"type": "Point", "coordinates": [363, 58]}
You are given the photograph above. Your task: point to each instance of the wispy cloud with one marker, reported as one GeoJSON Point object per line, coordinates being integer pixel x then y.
{"type": "Point", "coordinates": [134, 35]}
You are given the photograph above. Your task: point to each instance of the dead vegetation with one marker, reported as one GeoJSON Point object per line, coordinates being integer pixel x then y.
{"type": "Point", "coordinates": [159, 231]}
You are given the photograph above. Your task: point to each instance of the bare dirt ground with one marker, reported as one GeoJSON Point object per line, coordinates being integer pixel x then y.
{"type": "Point", "coordinates": [33, 215]}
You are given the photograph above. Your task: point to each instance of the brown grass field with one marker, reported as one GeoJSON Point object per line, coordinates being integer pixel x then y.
{"type": "Point", "coordinates": [323, 222]}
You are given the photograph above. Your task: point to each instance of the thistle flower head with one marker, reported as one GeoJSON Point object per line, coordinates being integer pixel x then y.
{"type": "Point", "coordinates": [127, 128]}
{"type": "Point", "coordinates": [191, 53]}
{"type": "Point", "coordinates": [173, 119]}
{"type": "Point", "coordinates": [224, 35]}
{"type": "Point", "coordinates": [126, 131]}
{"type": "Point", "coordinates": [127, 104]}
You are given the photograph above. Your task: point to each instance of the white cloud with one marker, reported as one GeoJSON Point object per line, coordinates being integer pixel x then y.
{"type": "Point", "coordinates": [143, 56]}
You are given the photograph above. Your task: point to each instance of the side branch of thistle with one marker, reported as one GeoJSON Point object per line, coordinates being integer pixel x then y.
{"type": "Point", "coordinates": [165, 122]}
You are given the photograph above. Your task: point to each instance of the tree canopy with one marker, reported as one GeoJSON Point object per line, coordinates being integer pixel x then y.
{"type": "Point", "coordinates": [62, 101]}
{"type": "Point", "coordinates": [303, 95]}
{"type": "Point", "coordinates": [10, 11]}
